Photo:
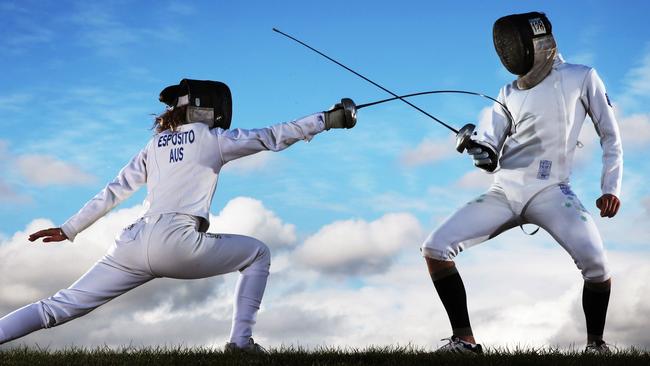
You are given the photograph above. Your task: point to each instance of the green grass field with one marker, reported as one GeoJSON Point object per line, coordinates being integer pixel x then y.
{"type": "Point", "coordinates": [290, 356]}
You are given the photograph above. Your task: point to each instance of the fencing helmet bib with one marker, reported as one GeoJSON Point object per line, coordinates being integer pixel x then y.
{"type": "Point", "coordinates": [526, 47]}
{"type": "Point", "coordinates": [207, 101]}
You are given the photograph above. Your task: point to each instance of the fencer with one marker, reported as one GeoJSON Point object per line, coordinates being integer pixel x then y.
{"type": "Point", "coordinates": [530, 158]}
{"type": "Point", "coordinates": [180, 166]}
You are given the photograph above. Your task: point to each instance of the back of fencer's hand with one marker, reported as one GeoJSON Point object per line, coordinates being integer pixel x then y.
{"type": "Point", "coordinates": [483, 157]}
{"type": "Point", "coordinates": [339, 117]}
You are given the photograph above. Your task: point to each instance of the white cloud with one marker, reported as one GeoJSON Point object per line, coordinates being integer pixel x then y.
{"type": "Point", "coordinates": [514, 299]}
{"type": "Point", "coordinates": [635, 130]}
{"type": "Point", "coordinates": [636, 84]}
{"type": "Point", "coordinates": [101, 28]}
{"type": "Point", "coordinates": [514, 296]}
{"type": "Point", "coordinates": [15, 102]}
{"type": "Point", "coordinates": [159, 312]}
{"type": "Point", "coordinates": [638, 78]}
{"type": "Point", "coordinates": [646, 205]}
{"type": "Point", "coordinates": [9, 195]}
{"type": "Point", "coordinates": [429, 151]}
{"type": "Point", "coordinates": [32, 267]}
{"type": "Point", "coordinates": [43, 170]}
{"type": "Point", "coordinates": [475, 179]}
{"type": "Point", "coordinates": [394, 201]}
{"type": "Point", "coordinates": [248, 216]}
{"type": "Point", "coordinates": [584, 58]}
{"type": "Point", "coordinates": [484, 115]}
{"type": "Point", "coordinates": [358, 246]}
{"type": "Point", "coordinates": [180, 8]}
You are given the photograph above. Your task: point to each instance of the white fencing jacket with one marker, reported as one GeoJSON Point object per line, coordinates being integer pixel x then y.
{"type": "Point", "coordinates": [537, 149]}
{"type": "Point", "coordinates": [181, 168]}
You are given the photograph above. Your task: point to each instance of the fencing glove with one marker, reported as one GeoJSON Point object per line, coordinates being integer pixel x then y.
{"type": "Point", "coordinates": [483, 156]}
{"type": "Point", "coordinates": [341, 115]}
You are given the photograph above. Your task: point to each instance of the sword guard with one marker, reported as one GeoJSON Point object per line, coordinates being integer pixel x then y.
{"type": "Point", "coordinates": [463, 137]}
{"type": "Point", "coordinates": [350, 110]}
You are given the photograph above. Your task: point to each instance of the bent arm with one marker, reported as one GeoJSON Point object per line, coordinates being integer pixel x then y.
{"type": "Point", "coordinates": [493, 130]}
{"type": "Point", "coordinates": [236, 143]}
{"type": "Point", "coordinates": [128, 180]}
{"type": "Point", "coordinates": [602, 115]}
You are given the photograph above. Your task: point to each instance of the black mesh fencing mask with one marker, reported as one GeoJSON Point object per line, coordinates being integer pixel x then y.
{"type": "Point", "coordinates": [207, 101]}
{"type": "Point", "coordinates": [513, 37]}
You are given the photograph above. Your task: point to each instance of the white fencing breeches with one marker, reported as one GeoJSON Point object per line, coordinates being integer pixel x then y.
{"type": "Point", "coordinates": [556, 209]}
{"type": "Point", "coordinates": [165, 245]}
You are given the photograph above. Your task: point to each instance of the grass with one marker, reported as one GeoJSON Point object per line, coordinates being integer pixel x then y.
{"type": "Point", "coordinates": [322, 356]}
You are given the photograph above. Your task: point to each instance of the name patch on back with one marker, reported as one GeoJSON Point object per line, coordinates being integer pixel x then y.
{"type": "Point", "coordinates": [176, 139]}
{"type": "Point", "coordinates": [544, 171]}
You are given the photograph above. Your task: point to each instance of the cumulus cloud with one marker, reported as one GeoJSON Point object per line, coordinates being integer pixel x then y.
{"type": "Point", "coordinates": [163, 311]}
{"type": "Point", "coordinates": [636, 84]}
{"type": "Point", "coordinates": [248, 216]}
{"type": "Point", "coordinates": [635, 130]}
{"type": "Point", "coordinates": [393, 201]}
{"type": "Point", "coordinates": [43, 170]}
{"type": "Point", "coordinates": [514, 300]}
{"type": "Point", "coordinates": [14, 102]}
{"type": "Point", "coordinates": [9, 195]}
{"type": "Point", "coordinates": [359, 247]}
{"type": "Point", "coordinates": [102, 29]}
{"type": "Point", "coordinates": [428, 151]}
{"type": "Point", "coordinates": [627, 318]}
{"type": "Point", "coordinates": [638, 78]}
{"type": "Point", "coordinates": [180, 8]}
{"type": "Point", "coordinates": [521, 291]}
{"type": "Point", "coordinates": [475, 179]}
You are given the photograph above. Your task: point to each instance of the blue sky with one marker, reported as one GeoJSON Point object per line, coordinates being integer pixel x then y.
{"type": "Point", "coordinates": [84, 79]}
{"type": "Point", "coordinates": [81, 80]}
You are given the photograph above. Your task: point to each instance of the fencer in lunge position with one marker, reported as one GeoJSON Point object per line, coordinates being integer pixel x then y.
{"type": "Point", "coordinates": [531, 157]}
{"type": "Point", "coordinates": [180, 166]}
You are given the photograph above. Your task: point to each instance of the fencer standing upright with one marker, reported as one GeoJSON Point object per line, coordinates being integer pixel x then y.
{"type": "Point", "coordinates": [531, 157]}
{"type": "Point", "coordinates": [180, 166]}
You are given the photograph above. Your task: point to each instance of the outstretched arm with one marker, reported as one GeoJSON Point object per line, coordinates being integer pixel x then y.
{"type": "Point", "coordinates": [236, 143]}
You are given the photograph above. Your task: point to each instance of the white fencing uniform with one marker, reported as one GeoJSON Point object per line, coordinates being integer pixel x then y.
{"type": "Point", "coordinates": [532, 182]}
{"type": "Point", "coordinates": [181, 170]}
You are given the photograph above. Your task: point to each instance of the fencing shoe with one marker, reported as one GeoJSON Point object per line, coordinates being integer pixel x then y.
{"type": "Point", "coordinates": [457, 345]}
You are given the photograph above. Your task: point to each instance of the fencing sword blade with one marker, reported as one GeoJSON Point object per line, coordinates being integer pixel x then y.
{"type": "Point", "coordinates": [503, 106]}
{"type": "Point", "coordinates": [366, 79]}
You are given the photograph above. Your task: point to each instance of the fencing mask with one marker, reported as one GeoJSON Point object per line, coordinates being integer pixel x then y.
{"type": "Point", "coordinates": [526, 46]}
{"type": "Point", "coordinates": [207, 101]}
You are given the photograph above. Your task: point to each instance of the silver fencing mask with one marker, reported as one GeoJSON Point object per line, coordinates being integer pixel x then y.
{"type": "Point", "coordinates": [207, 101]}
{"type": "Point", "coordinates": [526, 47]}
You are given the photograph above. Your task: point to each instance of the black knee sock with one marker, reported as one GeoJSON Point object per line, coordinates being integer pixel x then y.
{"type": "Point", "coordinates": [595, 298]}
{"type": "Point", "coordinates": [451, 290]}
